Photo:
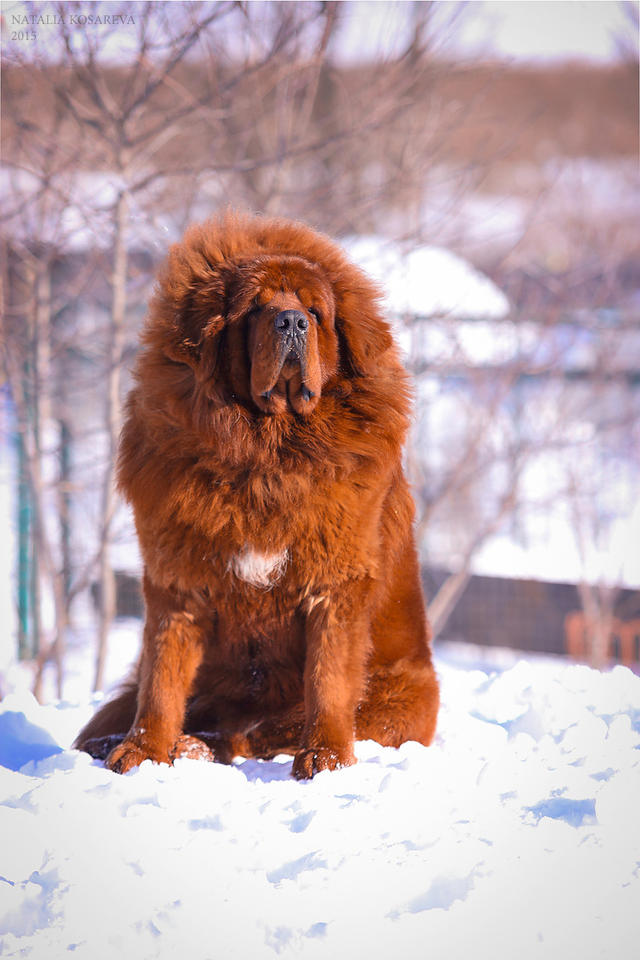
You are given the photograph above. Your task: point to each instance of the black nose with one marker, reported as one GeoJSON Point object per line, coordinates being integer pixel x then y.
{"type": "Point", "coordinates": [291, 322]}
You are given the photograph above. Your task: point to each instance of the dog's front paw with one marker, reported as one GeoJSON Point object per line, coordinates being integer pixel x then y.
{"type": "Point", "coordinates": [132, 752]}
{"type": "Point", "coordinates": [314, 759]}
{"type": "Point", "coordinates": [191, 748]}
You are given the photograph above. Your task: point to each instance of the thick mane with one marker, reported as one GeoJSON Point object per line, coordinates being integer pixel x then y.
{"type": "Point", "coordinates": [362, 414]}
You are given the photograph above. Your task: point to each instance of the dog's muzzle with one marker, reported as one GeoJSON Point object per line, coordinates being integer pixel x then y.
{"type": "Point", "coordinates": [291, 330]}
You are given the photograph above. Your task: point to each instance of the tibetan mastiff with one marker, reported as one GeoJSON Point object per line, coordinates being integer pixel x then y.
{"type": "Point", "coordinates": [261, 454]}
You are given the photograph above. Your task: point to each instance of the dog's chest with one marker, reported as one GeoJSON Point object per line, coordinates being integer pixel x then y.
{"type": "Point", "coordinates": [258, 569]}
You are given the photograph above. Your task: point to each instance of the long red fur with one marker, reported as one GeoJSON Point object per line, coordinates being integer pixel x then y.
{"type": "Point", "coordinates": [217, 470]}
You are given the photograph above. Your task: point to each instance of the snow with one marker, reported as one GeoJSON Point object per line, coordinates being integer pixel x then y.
{"type": "Point", "coordinates": [515, 834]}
{"type": "Point", "coordinates": [427, 281]}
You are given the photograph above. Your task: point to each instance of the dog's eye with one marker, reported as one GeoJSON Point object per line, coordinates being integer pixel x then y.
{"type": "Point", "coordinates": [314, 313]}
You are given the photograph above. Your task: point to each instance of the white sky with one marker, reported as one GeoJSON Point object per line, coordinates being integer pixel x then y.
{"type": "Point", "coordinates": [530, 29]}
{"type": "Point", "coordinates": [550, 28]}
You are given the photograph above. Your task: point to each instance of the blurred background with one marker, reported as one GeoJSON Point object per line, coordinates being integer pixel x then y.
{"type": "Point", "coordinates": [479, 159]}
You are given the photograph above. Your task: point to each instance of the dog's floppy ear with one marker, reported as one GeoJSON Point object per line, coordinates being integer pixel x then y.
{"type": "Point", "coordinates": [195, 332]}
{"type": "Point", "coordinates": [189, 308]}
{"type": "Point", "coordinates": [365, 336]}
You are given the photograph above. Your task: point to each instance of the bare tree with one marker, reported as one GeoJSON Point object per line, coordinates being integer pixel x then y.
{"type": "Point", "coordinates": [283, 131]}
{"type": "Point", "coordinates": [549, 428]}
{"type": "Point", "coordinates": [136, 128]}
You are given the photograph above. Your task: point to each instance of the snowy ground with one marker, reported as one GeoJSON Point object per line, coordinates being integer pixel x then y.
{"type": "Point", "coordinates": [516, 835]}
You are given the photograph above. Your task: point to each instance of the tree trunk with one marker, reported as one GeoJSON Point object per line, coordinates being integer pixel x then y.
{"type": "Point", "coordinates": [31, 395]}
{"type": "Point", "coordinates": [598, 607]}
{"type": "Point", "coordinates": [445, 600]}
{"type": "Point", "coordinates": [107, 592]}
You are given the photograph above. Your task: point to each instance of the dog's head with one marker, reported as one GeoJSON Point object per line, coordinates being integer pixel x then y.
{"type": "Point", "coordinates": [281, 314]}
{"type": "Point", "coordinates": [262, 325]}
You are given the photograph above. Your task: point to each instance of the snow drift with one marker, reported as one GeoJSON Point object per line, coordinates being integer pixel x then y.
{"type": "Point", "coordinates": [515, 835]}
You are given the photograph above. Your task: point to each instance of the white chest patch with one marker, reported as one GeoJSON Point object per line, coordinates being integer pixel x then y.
{"type": "Point", "coordinates": [259, 569]}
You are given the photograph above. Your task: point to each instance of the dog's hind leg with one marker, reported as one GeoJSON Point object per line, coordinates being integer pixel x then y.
{"type": "Point", "coordinates": [400, 703]}
{"type": "Point", "coordinates": [107, 728]}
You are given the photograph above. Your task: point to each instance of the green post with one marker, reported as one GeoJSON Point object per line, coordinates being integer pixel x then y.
{"type": "Point", "coordinates": [65, 506]}
{"type": "Point", "coordinates": [24, 543]}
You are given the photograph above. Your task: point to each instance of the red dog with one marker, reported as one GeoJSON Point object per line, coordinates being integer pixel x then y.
{"type": "Point", "coordinates": [262, 456]}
